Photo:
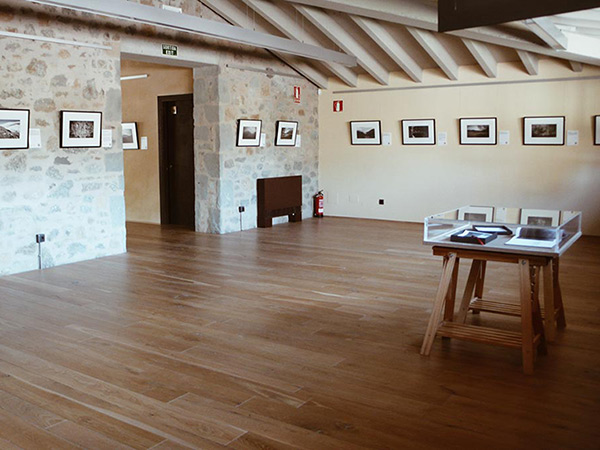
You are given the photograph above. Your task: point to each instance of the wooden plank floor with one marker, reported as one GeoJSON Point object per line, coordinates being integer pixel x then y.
{"type": "Point", "coordinates": [304, 335]}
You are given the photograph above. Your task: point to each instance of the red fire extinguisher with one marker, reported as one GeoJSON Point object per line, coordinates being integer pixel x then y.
{"type": "Point", "coordinates": [318, 201]}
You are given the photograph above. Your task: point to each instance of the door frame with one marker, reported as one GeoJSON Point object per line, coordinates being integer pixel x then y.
{"type": "Point", "coordinates": [162, 154]}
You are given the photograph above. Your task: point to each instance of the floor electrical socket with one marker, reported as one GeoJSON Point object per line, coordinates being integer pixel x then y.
{"type": "Point", "coordinates": [39, 238]}
{"type": "Point", "coordinates": [381, 201]}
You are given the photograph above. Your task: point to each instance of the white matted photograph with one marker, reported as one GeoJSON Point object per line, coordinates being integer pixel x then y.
{"type": "Point", "coordinates": [80, 129]}
{"type": "Point", "coordinates": [540, 217]}
{"type": "Point", "coordinates": [476, 213]}
{"type": "Point", "coordinates": [596, 130]}
{"type": "Point", "coordinates": [14, 129]}
{"type": "Point", "coordinates": [365, 132]}
{"type": "Point", "coordinates": [248, 133]}
{"type": "Point", "coordinates": [544, 130]}
{"type": "Point", "coordinates": [418, 132]}
{"type": "Point", "coordinates": [286, 133]}
{"type": "Point", "coordinates": [130, 136]}
{"type": "Point", "coordinates": [478, 131]}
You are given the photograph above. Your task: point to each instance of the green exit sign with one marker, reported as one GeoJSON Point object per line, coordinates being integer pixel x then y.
{"type": "Point", "coordinates": [169, 50]}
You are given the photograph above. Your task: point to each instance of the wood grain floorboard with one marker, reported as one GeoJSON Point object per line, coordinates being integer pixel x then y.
{"type": "Point", "coordinates": [305, 335]}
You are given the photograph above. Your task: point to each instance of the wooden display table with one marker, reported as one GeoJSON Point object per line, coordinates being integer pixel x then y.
{"type": "Point", "coordinates": [535, 330]}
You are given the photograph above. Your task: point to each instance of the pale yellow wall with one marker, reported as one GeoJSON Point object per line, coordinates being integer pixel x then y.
{"type": "Point", "coordinates": [416, 181]}
{"type": "Point", "coordinates": [142, 187]}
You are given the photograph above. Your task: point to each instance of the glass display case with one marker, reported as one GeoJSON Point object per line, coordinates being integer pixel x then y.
{"type": "Point", "coordinates": [512, 230]}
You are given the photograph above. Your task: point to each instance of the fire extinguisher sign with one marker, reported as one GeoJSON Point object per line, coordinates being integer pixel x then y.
{"type": "Point", "coordinates": [296, 94]}
{"type": "Point", "coordinates": [338, 105]}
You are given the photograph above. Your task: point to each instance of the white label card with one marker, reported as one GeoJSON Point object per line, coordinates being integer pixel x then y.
{"type": "Point", "coordinates": [144, 143]}
{"type": "Point", "coordinates": [298, 141]}
{"type": "Point", "coordinates": [504, 137]}
{"type": "Point", "coordinates": [106, 138]}
{"type": "Point", "coordinates": [263, 139]}
{"type": "Point", "coordinates": [386, 139]}
{"type": "Point", "coordinates": [35, 138]}
{"type": "Point", "coordinates": [442, 138]}
{"type": "Point", "coordinates": [573, 137]}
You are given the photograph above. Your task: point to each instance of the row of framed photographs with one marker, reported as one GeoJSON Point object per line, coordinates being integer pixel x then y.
{"type": "Point", "coordinates": [248, 133]}
{"type": "Point", "coordinates": [78, 129]}
{"type": "Point", "coordinates": [473, 131]}
{"type": "Point", "coordinates": [535, 217]}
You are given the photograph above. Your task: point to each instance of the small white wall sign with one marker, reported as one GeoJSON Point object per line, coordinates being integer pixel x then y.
{"type": "Point", "coordinates": [504, 137]}
{"type": "Point", "coordinates": [442, 138]}
{"type": "Point", "coordinates": [573, 137]}
{"type": "Point", "coordinates": [144, 143]}
{"type": "Point", "coordinates": [386, 139]}
{"type": "Point", "coordinates": [106, 138]}
{"type": "Point", "coordinates": [35, 138]}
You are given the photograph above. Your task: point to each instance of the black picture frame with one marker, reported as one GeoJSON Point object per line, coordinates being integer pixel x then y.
{"type": "Point", "coordinates": [280, 141]}
{"type": "Point", "coordinates": [354, 131]}
{"type": "Point", "coordinates": [596, 130]}
{"type": "Point", "coordinates": [242, 141]}
{"type": "Point", "coordinates": [528, 138]}
{"type": "Point", "coordinates": [134, 130]}
{"type": "Point", "coordinates": [431, 138]}
{"type": "Point", "coordinates": [464, 139]}
{"type": "Point", "coordinates": [7, 144]}
{"type": "Point", "coordinates": [66, 117]}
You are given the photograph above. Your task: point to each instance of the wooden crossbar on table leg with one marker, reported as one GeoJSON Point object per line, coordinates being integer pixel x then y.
{"type": "Point", "coordinates": [438, 304]}
{"type": "Point", "coordinates": [474, 274]}
{"type": "Point", "coordinates": [549, 322]}
{"type": "Point", "coordinates": [451, 294]}
{"type": "Point", "coordinates": [480, 282]}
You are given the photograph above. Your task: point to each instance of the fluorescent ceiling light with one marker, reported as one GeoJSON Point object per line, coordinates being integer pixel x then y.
{"type": "Point", "coordinates": [34, 37]}
{"type": "Point", "coordinates": [134, 77]}
{"type": "Point", "coordinates": [125, 10]}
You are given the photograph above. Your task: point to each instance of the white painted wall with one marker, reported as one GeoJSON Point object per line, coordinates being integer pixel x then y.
{"type": "Point", "coordinates": [417, 181]}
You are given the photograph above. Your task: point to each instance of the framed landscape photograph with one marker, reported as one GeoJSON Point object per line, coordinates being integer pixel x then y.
{"type": "Point", "coordinates": [540, 217]}
{"type": "Point", "coordinates": [476, 213]}
{"type": "Point", "coordinates": [478, 131]}
{"type": "Point", "coordinates": [286, 133]}
{"type": "Point", "coordinates": [418, 132]}
{"type": "Point", "coordinates": [248, 134]}
{"type": "Point", "coordinates": [365, 132]}
{"type": "Point", "coordinates": [596, 130]}
{"type": "Point", "coordinates": [80, 129]}
{"type": "Point", "coordinates": [14, 129]}
{"type": "Point", "coordinates": [544, 130]}
{"type": "Point", "coordinates": [130, 136]}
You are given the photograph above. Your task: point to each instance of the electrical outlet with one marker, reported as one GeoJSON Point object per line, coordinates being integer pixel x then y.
{"type": "Point", "coordinates": [39, 238]}
{"type": "Point", "coordinates": [381, 201]}
{"type": "Point", "coordinates": [242, 209]}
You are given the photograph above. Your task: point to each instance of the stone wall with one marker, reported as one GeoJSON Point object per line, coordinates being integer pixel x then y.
{"type": "Point", "coordinates": [226, 174]}
{"type": "Point", "coordinates": [74, 196]}
{"type": "Point", "coordinates": [246, 94]}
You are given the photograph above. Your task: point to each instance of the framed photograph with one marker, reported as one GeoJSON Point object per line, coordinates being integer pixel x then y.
{"type": "Point", "coordinates": [476, 213]}
{"type": "Point", "coordinates": [544, 130]}
{"type": "Point", "coordinates": [365, 132]}
{"type": "Point", "coordinates": [596, 130]}
{"type": "Point", "coordinates": [286, 133]}
{"type": "Point", "coordinates": [418, 132]}
{"type": "Point", "coordinates": [80, 129]}
{"type": "Point", "coordinates": [478, 131]}
{"type": "Point", "coordinates": [540, 217]}
{"type": "Point", "coordinates": [130, 136]}
{"type": "Point", "coordinates": [14, 129]}
{"type": "Point", "coordinates": [248, 134]}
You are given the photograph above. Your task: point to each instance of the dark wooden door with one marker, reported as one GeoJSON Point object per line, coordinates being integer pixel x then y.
{"type": "Point", "coordinates": [176, 136]}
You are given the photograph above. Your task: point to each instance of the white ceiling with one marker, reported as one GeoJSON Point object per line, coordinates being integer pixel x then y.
{"type": "Point", "coordinates": [399, 35]}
